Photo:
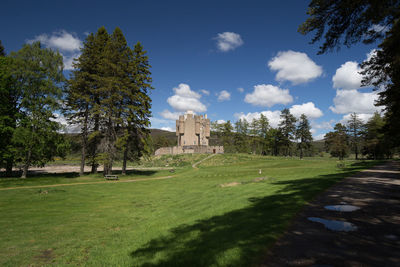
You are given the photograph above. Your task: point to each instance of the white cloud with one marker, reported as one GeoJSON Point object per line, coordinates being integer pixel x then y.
{"type": "Point", "coordinates": [227, 41]}
{"type": "Point", "coordinates": [240, 89]}
{"type": "Point", "coordinates": [307, 109]}
{"type": "Point", "coordinates": [295, 67]}
{"type": "Point", "coordinates": [169, 129]}
{"type": "Point", "coordinates": [157, 123]}
{"type": "Point", "coordinates": [224, 96]}
{"type": "Point", "coordinates": [221, 121]}
{"type": "Point", "coordinates": [325, 125]}
{"type": "Point", "coordinates": [364, 117]}
{"type": "Point", "coordinates": [68, 60]}
{"type": "Point", "coordinates": [319, 137]}
{"type": "Point", "coordinates": [67, 128]}
{"type": "Point", "coordinates": [347, 77]}
{"type": "Point", "coordinates": [268, 95]}
{"type": "Point", "coordinates": [68, 44]}
{"type": "Point", "coordinates": [205, 92]}
{"type": "Point", "coordinates": [348, 101]}
{"type": "Point", "coordinates": [274, 117]}
{"type": "Point", "coordinates": [185, 91]}
{"type": "Point", "coordinates": [379, 28]}
{"type": "Point", "coordinates": [186, 99]}
{"type": "Point", "coordinates": [166, 114]}
{"type": "Point", "coordinates": [62, 40]}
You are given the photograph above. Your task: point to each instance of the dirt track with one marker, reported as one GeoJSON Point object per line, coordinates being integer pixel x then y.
{"type": "Point", "coordinates": [375, 242]}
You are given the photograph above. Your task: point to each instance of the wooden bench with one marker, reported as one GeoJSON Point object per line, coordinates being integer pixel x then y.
{"type": "Point", "coordinates": [111, 177]}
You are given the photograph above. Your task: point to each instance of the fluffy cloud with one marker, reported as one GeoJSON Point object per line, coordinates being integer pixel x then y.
{"type": "Point", "coordinates": [66, 127]}
{"type": "Point", "coordinates": [364, 117]}
{"type": "Point", "coordinates": [186, 99]}
{"type": "Point", "coordinates": [347, 77]}
{"type": "Point", "coordinates": [227, 41]}
{"type": "Point", "coordinates": [308, 109]}
{"type": "Point", "coordinates": [272, 116]}
{"type": "Point", "coordinates": [348, 101]}
{"type": "Point", "coordinates": [268, 95]}
{"type": "Point", "coordinates": [319, 137]}
{"type": "Point", "coordinates": [61, 40]}
{"type": "Point", "coordinates": [166, 114]}
{"type": "Point", "coordinates": [221, 121]}
{"type": "Point", "coordinates": [295, 67]}
{"type": "Point", "coordinates": [240, 90]}
{"type": "Point", "coordinates": [205, 92]}
{"type": "Point", "coordinates": [224, 96]}
{"type": "Point", "coordinates": [68, 44]}
{"type": "Point", "coordinates": [169, 129]}
{"type": "Point", "coordinates": [325, 125]}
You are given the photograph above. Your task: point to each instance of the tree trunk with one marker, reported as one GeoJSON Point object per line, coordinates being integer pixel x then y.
{"type": "Point", "coordinates": [26, 165]}
{"type": "Point", "coordinates": [82, 169]}
{"type": "Point", "coordinates": [124, 160]}
{"type": "Point", "coordinates": [9, 166]}
{"type": "Point", "coordinates": [84, 144]}
{"type": "Point", "coordinates": [301, 153]}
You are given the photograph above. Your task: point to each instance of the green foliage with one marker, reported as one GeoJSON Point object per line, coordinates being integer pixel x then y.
{"type": "Point", "coordinates": [8, 113]}
{"type": "Point", "coordinates": [2, 51]}
{"type": "Point", "coordinates": [349, 22]}
{"type": "Point", "coordinates": [355, 130]}
{"type": "Point", "coordinates": [287, 126]}
{"type": "Point", "coordinates": [38, 77]}
{"type": "Point", "coordinates": [303, 134]}
{"type": "Point", "coordinates": [113, 110]}
{"type": "Point", "coordinates": [337, 142]}
{"type": "Point", "coordinates": [375, 145]}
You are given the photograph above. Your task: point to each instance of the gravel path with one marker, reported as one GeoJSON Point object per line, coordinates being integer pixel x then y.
{"type": "Point", "coordinates": [371, 234]}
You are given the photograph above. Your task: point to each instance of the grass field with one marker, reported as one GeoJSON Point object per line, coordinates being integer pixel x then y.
{"type": "Point", "coordinates": [217, 215]}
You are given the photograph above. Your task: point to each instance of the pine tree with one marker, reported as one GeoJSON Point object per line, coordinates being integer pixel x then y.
{"type": "Point", "coordinates": [9, 96]}
{"type": "Point", "coordinates": [303, 134]}
{"type": "Point", "coordinates": [38, 74]}
{"type": "Point", "coordinates": [355, 128]}
{"type": "Point", "coordinates": [287, 126]}
{"type": "Point", "coordinates": [254, 133]}
{"type": "Point", "coordinates": [263, 133]}
{"type": "Point", "coordinates": [227, 136]}
{"type": "Point", "coordinates": [337, 142]}
{"type": "Point", "coordinates": [2, 51]}
{"type": "Point", "coordinates": [138, 104]}
{"type": "Point", "coordinates": [375, 145]}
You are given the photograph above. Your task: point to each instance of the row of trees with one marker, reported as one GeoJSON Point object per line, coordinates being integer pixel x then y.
{"type": "Point", "coordinates": [259, 137]}
{"type": "Point", "coordinates": [107, 97]}
{"type": "Point", "coordinates": [367, 138]}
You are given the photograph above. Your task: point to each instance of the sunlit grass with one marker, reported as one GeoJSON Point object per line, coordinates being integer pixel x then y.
{"type": "Point", "coordinates": [188, 220]}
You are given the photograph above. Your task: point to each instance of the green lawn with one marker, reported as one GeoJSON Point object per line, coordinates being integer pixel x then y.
{"type": "Point", "coordinates": [188, 220]}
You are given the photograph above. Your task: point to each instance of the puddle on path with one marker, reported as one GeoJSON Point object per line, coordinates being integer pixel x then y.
{"type": "Point", "coordinates": [335, 225]}
{"type": "Point", "coordinates": [342, 208]}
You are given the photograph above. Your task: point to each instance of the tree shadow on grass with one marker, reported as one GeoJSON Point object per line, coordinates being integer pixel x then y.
{"type": "Point", "coordinates": [246, 232]}
{"type": "Point", "coordinates": [136, 172]}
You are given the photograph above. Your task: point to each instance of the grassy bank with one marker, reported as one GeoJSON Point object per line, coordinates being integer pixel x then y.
{"type": "Point", "coordinates": [224, 213]}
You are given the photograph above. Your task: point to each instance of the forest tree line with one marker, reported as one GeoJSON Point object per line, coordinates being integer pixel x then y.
{"type": "Point", "coordinates": [106, 97]}
{"type": "Point", "coordinates": [293, 137]}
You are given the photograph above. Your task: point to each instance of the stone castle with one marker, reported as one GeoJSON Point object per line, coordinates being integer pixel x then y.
{"type": "Point", "coordinates": [193, 133]}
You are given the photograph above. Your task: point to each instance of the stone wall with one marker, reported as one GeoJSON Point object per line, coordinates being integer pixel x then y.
{"type": "Point", "coordinates": [175, 150]}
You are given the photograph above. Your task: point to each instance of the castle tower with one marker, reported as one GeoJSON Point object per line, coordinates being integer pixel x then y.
{"type": "Point", "coordinates": [192, 130]}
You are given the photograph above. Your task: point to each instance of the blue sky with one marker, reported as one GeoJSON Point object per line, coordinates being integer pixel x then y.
{"type": "Point", "coordinates": [228, 59]}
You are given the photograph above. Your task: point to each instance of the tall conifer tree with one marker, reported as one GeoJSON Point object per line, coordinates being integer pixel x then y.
{"type": "Point", "coordinates": [287, 126]}
{"type": "Point", "coordinates": [303, 134]}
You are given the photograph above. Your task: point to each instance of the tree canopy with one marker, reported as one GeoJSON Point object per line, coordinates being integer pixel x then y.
{"type": "Point", "coordinates": [344, 22]}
